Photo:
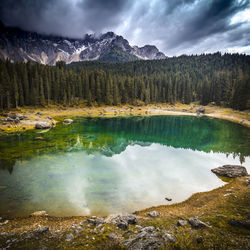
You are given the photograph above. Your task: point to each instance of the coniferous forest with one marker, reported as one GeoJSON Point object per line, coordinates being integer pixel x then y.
{"type": "Point", "coordinates": [223, 79]}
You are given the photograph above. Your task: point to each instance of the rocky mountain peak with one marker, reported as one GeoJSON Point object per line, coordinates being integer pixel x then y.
{"type": "Point", "coordinates": [19, 45]}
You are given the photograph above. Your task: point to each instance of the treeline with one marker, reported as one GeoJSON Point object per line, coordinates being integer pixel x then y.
{"type": "Point", "coordinates": [223, 79]}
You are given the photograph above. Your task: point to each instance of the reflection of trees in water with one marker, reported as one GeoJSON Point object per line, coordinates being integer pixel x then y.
{"type": "Point", "coordinates": [7, 165]}
{"type": "Point", "coordinates": [112, 135]}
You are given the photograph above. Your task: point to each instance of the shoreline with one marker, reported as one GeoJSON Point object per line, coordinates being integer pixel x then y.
{"type": "Point", "coordinates": [34, 115]}
{"type": "Point", "coordinates": [216, 207]}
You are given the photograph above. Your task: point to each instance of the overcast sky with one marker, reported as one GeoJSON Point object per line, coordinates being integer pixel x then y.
{"type": "Point", "coordinates": [174, 26]}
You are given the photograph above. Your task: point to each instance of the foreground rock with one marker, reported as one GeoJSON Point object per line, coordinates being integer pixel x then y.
{"type": "Point", "coordinates": [240, 223]}
{"type": "Point", "coordinates": [95, 222]}
{"type": "Point", "coordinates": [69, 237]}
{"type": "Point", "coordinates": [153, 214]}
{"type": "Point", "coordinates": [181, 223]}
{"type": "Point", "coordinates": [41, 230]}
{"type": "Point", "coordinates": [43, 125]}
{"type": "Point", "coordinates": [230, 171]}
{"type": "Point", "coordinates": [195, 223]}
{"type": "Point", "coordinates": [122, 221]}
{"type": "Point", "coordinates": [147, 239]}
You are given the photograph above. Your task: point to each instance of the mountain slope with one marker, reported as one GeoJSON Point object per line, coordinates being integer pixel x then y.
{"type": "Point", "coordinates": [19, 45]}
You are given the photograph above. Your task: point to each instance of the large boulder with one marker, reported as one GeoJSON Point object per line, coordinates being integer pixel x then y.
{"type": "Point", "coordinates": [43, 125]}
{"type": "Point", "coordinates": [230, 171]}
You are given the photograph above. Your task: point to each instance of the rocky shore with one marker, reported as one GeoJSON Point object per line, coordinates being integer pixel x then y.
{"type": "Point", "coordinates": [30, 118]}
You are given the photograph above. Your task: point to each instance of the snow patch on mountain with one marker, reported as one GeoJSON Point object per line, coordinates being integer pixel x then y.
{"type": "Point", "coordinates": [19, 45]}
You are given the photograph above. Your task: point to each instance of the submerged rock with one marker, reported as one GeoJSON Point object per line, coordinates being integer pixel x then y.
{"type": "Point", "coordinates": [67, 121]}
{"type": "Point", "coordinates": [168, 199]}
{"type": "Point", "coordinates": [230, 171]}
{"type": "Point", "coordinates": [195, 223]}
{"type": "Point", "coordinates": [153, 214]}
{"type": "Point", "coordinates": [43, 125]}
{"type": "Point", "coordinates": [39, 138]}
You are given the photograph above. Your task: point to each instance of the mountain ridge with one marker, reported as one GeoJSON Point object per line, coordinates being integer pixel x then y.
{"type": "Point", "coordinates": [21, 46]}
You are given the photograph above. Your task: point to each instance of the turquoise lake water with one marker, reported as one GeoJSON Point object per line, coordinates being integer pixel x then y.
{"type": "Point", "coordinates": [99, 166]}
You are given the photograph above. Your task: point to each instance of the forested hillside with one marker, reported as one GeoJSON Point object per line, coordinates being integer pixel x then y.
{"type": "Point", "coordinates": [223, 79]}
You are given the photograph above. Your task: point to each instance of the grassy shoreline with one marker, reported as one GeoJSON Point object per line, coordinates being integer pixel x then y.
{"type": "Point", "coordinates": [240, 117]}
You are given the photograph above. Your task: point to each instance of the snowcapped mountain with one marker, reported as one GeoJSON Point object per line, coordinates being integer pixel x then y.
{"type": "Point", "coordinates": [19, 45]}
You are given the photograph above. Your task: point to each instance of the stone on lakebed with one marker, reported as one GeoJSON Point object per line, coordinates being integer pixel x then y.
{"type": "Point", "coordinates": [67, 121]}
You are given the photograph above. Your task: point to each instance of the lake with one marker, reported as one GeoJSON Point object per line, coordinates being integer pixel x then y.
{"type": "Point", "coordinates": [100, 166]}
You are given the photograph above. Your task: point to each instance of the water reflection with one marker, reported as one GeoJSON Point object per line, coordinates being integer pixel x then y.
{"type": "Point", "coordinates": [112, 135]}
{"type": "Point", "coordinates": [102, 166]}
{"type": "Point", "coordinates": [78, 183]}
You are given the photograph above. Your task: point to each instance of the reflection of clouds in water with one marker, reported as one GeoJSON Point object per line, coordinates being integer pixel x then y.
{"type": "Point", "coordinates": [154, 172]}
{"type": "Point", "coordinates": [76, 183]}
{"type": "Point", "coordinates": [75, 191]}
{"type": "Point", "coordinates": [80, 184]}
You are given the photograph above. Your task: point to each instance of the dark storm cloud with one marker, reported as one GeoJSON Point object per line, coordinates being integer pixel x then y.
{"type": "Point", "coordinates": [35, 15]}
{"type": "Point", "coordinates": [65, 17]}
{"type": "Point", "coordinates": [100, 15]}
{"type": "Point", "coordinates": [175, 26]}
{"type": "Point", "coordinates": [210, 18]}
